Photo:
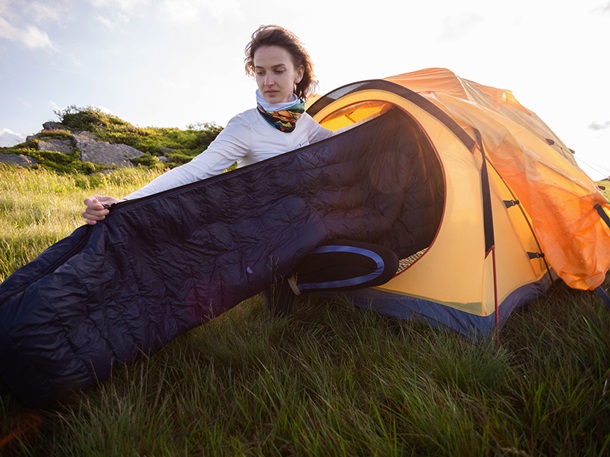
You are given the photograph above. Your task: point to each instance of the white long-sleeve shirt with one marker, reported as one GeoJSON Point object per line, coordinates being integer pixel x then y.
{"type": "Point", "coordinates": [247, 139]}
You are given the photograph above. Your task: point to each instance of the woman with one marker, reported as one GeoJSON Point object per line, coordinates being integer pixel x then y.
{"type": "Point", "coordinates": [284, 75]}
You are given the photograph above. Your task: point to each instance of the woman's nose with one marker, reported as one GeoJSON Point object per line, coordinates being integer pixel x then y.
{"type": "Point", "coordinates": [269, 81]}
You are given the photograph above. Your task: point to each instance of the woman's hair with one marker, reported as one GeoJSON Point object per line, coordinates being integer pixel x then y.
{"type": "Point", "coordinates": [274, 35]}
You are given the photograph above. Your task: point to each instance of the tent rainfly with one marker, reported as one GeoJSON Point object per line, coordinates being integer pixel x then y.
{"type": "Point", "coordinates": [516, 211]}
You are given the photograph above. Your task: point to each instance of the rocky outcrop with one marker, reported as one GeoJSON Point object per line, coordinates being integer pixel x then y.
{"type": "Point", "coordinates": [57, 137]}
{"type": "Point", "coordinates": [17, 159]}
{"type": "Point", "coordinates": [102, 152]}
{"type": "Point", "coordinates": [50, 125]}
{"type": "Point", "coordinates": [65, 146]}
{"type": "Point", "coordinates": [91, 149]}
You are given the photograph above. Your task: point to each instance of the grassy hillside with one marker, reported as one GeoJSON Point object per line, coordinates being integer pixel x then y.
{"type": "Point", "coordinates": [177, 145]}
{"type": "Point", "coordinates": [329, 380]}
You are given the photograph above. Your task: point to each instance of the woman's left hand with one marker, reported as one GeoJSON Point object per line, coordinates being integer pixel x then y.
{"type": "Point", "coordinates": [96, 208]}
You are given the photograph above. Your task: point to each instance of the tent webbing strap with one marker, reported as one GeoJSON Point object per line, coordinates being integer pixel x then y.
{"type": "Point", "coordinates": [602, 214]}
{"type": "Point", "coordinates": [488, 225]}
{"type": "Point", "coordinates": [604, 295]}
{"type": "Point", "coordinates": [407, 94]}
{"type": "Point", "coordinates": [535, 255]}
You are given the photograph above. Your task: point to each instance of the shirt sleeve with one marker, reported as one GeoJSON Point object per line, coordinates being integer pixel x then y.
{"type": "Point", "coordinates": [318, 133]}
{"type": "Point", "coordinates": [231, 144]}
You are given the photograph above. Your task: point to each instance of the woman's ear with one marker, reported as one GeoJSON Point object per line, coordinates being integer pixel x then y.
{"type": "Point", "coordinates": [299, 72]}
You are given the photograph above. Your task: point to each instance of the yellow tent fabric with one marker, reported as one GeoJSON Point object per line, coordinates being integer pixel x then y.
{"type": "Point", "coordinates": [527, 162]}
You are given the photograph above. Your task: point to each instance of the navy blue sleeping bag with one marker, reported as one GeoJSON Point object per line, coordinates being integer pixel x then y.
{"type": "Point", "coordinates": [161, 265]}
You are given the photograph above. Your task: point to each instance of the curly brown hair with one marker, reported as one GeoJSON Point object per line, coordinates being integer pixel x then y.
{"type": "Point", "coordinates": [274, 35]}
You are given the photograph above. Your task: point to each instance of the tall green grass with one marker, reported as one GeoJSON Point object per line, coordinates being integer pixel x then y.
{"type": "Point", "coordinates": [330, 379]}
{"type": "Point", "coordinates": [39, 207]}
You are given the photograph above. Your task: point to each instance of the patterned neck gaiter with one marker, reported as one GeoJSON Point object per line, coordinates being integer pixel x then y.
{"type": "Point", "coordinates": [283, 118]}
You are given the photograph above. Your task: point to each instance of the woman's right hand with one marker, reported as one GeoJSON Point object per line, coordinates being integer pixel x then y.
{"type": "Point", "coordinates": [95, 209]}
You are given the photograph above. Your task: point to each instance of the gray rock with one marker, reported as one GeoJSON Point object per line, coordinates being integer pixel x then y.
{"type": "Point", "coordinates": [65, 146]}
{"type": "Point", "coordinates": [91, 149]}
{"type": "Point", "coordinates": [53, 126]}
{"type": "Point", "coordinates": [17, 159]}
{"type": "Point", "coordinates": [85, 135]}
{"type": "Point", "coordinates": [102, 152]}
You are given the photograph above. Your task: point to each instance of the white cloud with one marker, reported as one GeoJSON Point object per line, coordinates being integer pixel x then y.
{"type": "Point", "coordinates": [191, 11]}
{"type": "Point", "coordinates": [43, 12]}
{"type": "Point", "coordinates": [106, 22]}
{"type": "Point", "coordinates": [127, 6]}
{"type": "Point", "coordinates": [605, 9]}
{"type": "Point", "coordinates": [116, 12]}
{"type": "Point", "coordinates": [456, 25]}
{"type": "Point", "coordinates": [218, 10]}
{"type": "Point", "coordinates": [599, 125]}
{"type": "Point", "coordinates": [113, 13]}
{"type": "Point", "coordinates": [15, 19]}
{"type": "Point", "coordinates": [10, 138]}
{"type": "Point", "coordinates": [4, 7]}
{"type": "Point", "coordinates": [35, 38]}
{"type": "Point", "coordinates": [30, 36]}
{"type": "Point", "coordinates": [181, 11]}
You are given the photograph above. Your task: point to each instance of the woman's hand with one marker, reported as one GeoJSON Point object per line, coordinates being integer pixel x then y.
{"type": "Point", "coordinates": [95, 209]}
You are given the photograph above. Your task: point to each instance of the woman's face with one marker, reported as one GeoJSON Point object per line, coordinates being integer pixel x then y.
{"type": "Point", "coordinates": [275, 73]}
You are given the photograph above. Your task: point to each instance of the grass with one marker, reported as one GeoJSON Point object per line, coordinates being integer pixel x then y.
{"type": "Point", "coordinates": [329, 380]}
{"type": "Point", "coordinates": [38, 207]}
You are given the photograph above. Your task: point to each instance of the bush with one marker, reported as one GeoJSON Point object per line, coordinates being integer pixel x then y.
{"type": "Point", "coordinates": [180, 157]}
{"type": "Point", "coordinates": [63, 163]}
{"type": "Point", "coordinates": [147, 160]}
{"type": "Point", "coordinates": [59, 134]}
{"type": "Point", "coordinates": [89, 118]}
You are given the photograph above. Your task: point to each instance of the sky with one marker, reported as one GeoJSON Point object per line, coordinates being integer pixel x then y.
{"type": "Point", "coordinates": [172, 63]}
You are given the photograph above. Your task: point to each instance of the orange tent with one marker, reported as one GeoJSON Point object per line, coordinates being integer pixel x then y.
{"type": "Point", "coordinates": [517, 208]}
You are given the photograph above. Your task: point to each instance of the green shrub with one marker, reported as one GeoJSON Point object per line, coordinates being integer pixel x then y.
{"type": "Point", "coordinates": [63, 163]}
{"type": "Point", "coordinates": [148, 160]}
{"type": "Point", "coordinates": [88, 118]}
{"type": "Point", "coordinates": [57, 134]}
{"type": "Point", "coordinates": [156, 140]}
{"type": "Point", "coordinates": [179, 157]}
